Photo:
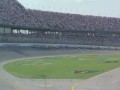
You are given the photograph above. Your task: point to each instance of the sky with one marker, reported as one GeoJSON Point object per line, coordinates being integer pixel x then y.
{"type": "Point", "coordinates": [109, 8]}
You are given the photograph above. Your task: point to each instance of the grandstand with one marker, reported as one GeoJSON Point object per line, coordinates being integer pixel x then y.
{"type": "Point", "coordinates": [21, 25]}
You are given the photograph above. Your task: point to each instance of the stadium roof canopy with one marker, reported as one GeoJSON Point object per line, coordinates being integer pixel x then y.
{"type": "Point", "coordinates": [13, 14]}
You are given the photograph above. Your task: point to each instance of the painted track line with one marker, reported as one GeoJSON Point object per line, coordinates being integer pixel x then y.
{"type": "Point", "coordinates": [73, 87]}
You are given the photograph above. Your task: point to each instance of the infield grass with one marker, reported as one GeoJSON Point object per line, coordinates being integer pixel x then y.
{"type": "Point", "coordinates": [64, 67]}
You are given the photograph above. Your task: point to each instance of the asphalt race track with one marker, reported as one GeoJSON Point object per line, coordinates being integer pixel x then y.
{"type": "Point", "coordinates": [107, 81]}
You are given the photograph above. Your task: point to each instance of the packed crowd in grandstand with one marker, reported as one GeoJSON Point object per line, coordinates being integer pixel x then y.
{"type": "Point", "coordinates": [13, 14]}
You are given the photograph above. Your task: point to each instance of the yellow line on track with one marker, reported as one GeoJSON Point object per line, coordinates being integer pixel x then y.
{"type": "Point", "coordinates": [73, 87]}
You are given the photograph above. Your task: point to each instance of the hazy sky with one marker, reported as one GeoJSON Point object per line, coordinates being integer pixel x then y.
{"type": "Point", "coordinates": [88, 7]}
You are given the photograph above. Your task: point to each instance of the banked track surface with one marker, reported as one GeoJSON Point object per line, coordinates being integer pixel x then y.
{"type": "Point", "coordinates": [8, 82]}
